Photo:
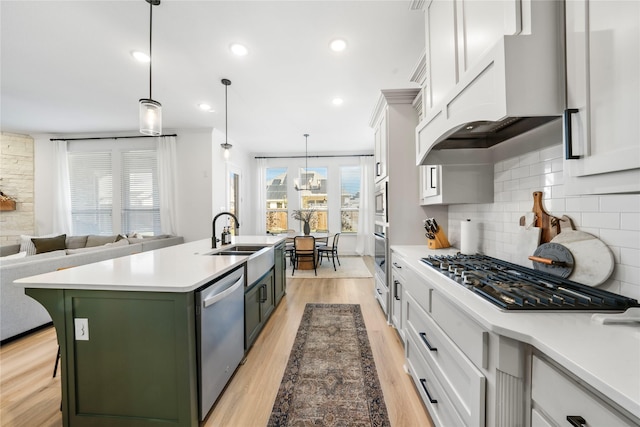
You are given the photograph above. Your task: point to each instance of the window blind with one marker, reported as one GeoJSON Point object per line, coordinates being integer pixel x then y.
{"type": "Point", "coordinates": [139, 191]}
{"type": "Point", "coordinates": [90, 174]}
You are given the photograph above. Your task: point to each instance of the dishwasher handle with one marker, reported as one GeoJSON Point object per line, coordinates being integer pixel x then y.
{"type": "Point", "coordinates": [222, 295]}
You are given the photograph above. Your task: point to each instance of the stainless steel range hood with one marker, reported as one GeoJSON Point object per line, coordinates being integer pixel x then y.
{"type": "Point", "coordinates": [486, 134]}
{"type": "Point", "coordinates": [515, 87]}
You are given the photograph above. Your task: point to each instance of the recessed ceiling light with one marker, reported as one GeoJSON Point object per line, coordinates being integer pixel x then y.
{"type": "Point", "coordinates": [140, 56]}
{"type": "Point", "coordinates": [238, 49]}
{"type": "Point", "coordinates": [205, 107]}
{"type": "Point", "coordinates": [338, 45]}
{"type": "Point", "coordinates": [337, 101]}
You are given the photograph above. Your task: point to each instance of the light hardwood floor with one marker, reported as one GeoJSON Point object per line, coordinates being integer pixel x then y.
{"type": "Point", "coordinates": [31, 397]}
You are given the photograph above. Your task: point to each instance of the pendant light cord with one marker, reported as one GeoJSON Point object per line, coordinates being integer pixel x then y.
{"type": "Point", "coordinates": [226, 116]}
{"type": "Point", "coordinates": [150, 33]}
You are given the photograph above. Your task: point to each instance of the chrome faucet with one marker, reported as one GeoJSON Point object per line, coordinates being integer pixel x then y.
{"type": "Point", "coordinates": [213, 238]}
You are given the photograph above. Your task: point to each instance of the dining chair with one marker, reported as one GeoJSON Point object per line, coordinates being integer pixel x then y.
{"type": "Point", "coordinates": [322, 238]}
{"type": "Point", "coordinates": [330, 251]}
{"type": "Point", "coordinates": [304, 248]}
{"type": "Point", "coordinates": [288, 244]}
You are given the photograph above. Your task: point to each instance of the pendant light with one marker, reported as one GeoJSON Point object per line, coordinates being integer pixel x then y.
{"type": "Point", "coordinates": [150, 110]}
{"type": "Point", "coordinates": [307, 183]}
{"type": "Point", "coordinates": [226, 146]}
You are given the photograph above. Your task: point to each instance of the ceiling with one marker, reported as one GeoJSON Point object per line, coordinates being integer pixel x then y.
{"type": "Point", "coordinates": [66, 67]}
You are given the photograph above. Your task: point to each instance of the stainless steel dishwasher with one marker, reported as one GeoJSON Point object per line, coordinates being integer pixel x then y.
{"type": "Point", "coordinates": [220, 331]}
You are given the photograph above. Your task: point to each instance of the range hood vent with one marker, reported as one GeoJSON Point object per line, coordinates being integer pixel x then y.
{"type": "Point", "coordinates": [486, 134]}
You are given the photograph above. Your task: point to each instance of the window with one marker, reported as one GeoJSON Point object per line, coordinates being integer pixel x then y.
{"type": "Point", "coordinates": [349, 198]}
{"type": "Point", "coordinates": [315, 197]}
{"type": "Point", "coordinates": [97, 209]}
{"type": "Point", "coordinates": [277, 207]}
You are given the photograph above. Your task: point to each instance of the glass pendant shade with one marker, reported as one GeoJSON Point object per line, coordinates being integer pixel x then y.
{"type": "Point", "coordinates": [150, 117]}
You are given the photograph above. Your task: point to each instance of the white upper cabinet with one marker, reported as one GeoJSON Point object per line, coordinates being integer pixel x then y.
{"type": "Point", "coordinates": [381, 139]}
{"type": "Point", "coordinates": [602, 121]}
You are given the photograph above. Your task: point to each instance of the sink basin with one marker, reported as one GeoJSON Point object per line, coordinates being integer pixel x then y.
{"type": "Point", "coordinates": [261, 259]}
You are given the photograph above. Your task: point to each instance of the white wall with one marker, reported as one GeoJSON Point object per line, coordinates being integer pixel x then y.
{"type": "Point", "coordinates": [615, 219]}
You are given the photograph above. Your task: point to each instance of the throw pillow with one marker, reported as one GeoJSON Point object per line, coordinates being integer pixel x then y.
{"type": "Point", "coordinates": [49, 244]}
{"type": "Point", "coordinates": [75, 242]}
{"type": "Point", "coordinates": [94, 240]}
{"type": "Point", "coordinates": [26, 245]}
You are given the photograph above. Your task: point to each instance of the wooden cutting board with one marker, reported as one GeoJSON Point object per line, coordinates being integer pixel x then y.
{"type": "Point", "coordinates": [593, 260]}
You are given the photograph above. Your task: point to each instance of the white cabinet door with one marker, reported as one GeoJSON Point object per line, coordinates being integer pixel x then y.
{"type": "Point", "coordinates": [442, 73]}
{"type": "Point", "coordinates": [429, 181]}
{"type": "Point", "coordinates": [602, 125]}
{"type": "Point", "coordinates": [381, 147]}
{"type": "Point", "coordinates": [481, 24]}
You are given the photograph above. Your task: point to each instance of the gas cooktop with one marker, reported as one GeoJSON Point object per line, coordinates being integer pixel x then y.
{"type": "Point", "coordinates": [513, 287]}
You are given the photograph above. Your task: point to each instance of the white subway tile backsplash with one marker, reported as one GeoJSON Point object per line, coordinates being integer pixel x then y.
{"type": "Point", "coordinates": [615, 219]}
{"type": "Point", "coordinates": [601, 220]}
{"type": "Point", "coordinates": [553, 178]}
{"type": "Point", "coordinates": [621, 238]}
{"type": "Point", "coordinates": [620, 203]}
{"type": "Point", "coordinates": [529, 158]}
{"type": "Point", "coordinates": [520, 172]}
{"type": "Point", "coordinates": [630, 221]}
{"type": "Point", "coordinates": [630, 257]}
{"type": "Point", "coordinates": [583, 204]}
{"type": "Point", "coordinates": [551, 153]}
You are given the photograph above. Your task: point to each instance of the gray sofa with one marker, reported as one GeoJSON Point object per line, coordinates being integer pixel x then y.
{"type": "Point", "coordinates": [20, 313]}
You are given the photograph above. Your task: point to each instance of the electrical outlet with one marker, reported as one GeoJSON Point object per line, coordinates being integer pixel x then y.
{"type": "Point", "coordinates": [82, 329]}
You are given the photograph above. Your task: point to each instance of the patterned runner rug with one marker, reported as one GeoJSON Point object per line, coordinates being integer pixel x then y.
{"type": "Point", "coordinates": [331, 378]}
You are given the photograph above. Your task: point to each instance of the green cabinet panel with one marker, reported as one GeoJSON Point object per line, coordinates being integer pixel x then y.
{"type": "Point", "coordinates": [138, 366]}
{"type": "Point", "coordinates": [280, 273]}
{"type": "Point", "coordinates": [252, 322]}
{"type": "Point", "coordinates": [259, 303]}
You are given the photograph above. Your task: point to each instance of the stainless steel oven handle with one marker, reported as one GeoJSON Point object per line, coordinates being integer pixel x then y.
{"type": "Point", "coordinates": [222, 295]}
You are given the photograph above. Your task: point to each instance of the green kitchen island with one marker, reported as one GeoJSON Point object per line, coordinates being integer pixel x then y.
{"type": "Point", "coordinates": [127, 332]}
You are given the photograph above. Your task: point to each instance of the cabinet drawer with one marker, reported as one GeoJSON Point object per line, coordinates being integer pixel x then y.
{"type": "Point", "coordinates": [417, 286]}
{"type": "Point", "coordinates": [557, 396]}
{"type": "Point", "coordinates": [436, 400]}
{"type": "Point", "coordinates": [461, 380]}
{"type": "Point", "coordinates": [472, 339]}
{"type": "Point", "coordinates": [381, 293]}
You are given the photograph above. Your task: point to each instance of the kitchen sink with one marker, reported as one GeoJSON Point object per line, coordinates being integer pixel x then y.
{"type": "Point", "coordinates": [260, 261]}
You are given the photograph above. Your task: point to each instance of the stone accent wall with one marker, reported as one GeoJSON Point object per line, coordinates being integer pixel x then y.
{"type": "Point", "coordinates": [17, 181]}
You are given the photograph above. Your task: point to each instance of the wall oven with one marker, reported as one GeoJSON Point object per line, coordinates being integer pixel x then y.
{"type": "Point", "coordinates": [380, 257]}
{"type": "Point", "coordinates": [381, 202]}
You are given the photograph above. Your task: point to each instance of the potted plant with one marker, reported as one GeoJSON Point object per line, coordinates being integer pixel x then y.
{"type": "Point", "coordinates": [304, 215]}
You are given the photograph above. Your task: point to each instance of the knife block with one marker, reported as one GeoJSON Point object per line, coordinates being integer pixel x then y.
{"type": "Point", "coordinates": [440, 240]}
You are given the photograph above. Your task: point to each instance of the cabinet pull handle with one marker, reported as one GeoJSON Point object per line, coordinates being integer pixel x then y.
{"type": "Point", "coordinates": [378, 173]}
{"type": "Point", "coordinates": [568, 144]}
{"type": "Point", "coordinates": [396, 265]}
{"type": "Point", "coordinates": [423, 382]}
{"type": "Point", "coordinates": [424, 338]}
{"type": "Point", "coordinates": [395, 291]}
{"type": "Point", "coordinates": [576, 420]}
{"type": "Point", "coordinates": [263, 293]}
{"type": "Point", "coordinates": [431, 179]}
{"type": "Point", "coordinates": [378, 290]}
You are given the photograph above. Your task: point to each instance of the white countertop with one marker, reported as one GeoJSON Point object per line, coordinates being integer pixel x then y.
{"type": "Point", "coordinates": [607, 357]}
{"type": "Point", "coordinates": [179, 268]}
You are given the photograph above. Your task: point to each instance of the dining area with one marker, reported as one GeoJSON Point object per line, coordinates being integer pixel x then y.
{"type": "Point", "coordinates": [308, 251]}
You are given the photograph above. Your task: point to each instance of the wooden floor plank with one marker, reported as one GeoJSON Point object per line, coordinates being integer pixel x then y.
{"type": "Point", "coordinates": [30, 396]}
